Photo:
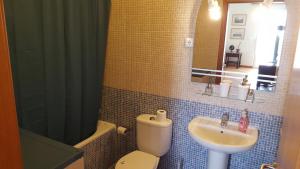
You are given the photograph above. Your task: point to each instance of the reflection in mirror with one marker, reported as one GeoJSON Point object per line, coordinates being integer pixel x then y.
{"type": "Point", "coordinates": [251, 49]}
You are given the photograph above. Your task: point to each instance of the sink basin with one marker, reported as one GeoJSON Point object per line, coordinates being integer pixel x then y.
{"type": "Point", "coordinates": [210, 134]}
{"type": "Point", "coordinates": [221, 141]}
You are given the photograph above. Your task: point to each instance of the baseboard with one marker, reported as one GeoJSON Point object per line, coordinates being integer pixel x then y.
{"type": "Point", "coordinates": [246, 66]}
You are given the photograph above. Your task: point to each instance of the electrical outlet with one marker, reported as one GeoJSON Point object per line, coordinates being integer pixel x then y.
{"type": "Point", "coordinates": [189, 42]}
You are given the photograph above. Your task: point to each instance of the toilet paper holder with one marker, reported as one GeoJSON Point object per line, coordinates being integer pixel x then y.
{"type": "Point", "coordinates": [123, 130]}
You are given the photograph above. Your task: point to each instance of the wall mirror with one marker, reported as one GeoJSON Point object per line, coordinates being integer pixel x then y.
{"type": "Point", "coordinates": [247, 45]}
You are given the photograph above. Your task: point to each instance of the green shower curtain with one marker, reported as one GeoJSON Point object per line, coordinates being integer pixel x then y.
{"type": "Point", "coordinates": [57, 52]}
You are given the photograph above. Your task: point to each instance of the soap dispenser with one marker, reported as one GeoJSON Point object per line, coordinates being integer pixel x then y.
{"type": "Point", "coordinates": [245, 81]}
{"type": "Point", "coordinates": [244, 121]}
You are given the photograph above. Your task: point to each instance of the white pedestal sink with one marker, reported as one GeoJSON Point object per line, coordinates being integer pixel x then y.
{"type": "Point", "coordinates": [221, 141]}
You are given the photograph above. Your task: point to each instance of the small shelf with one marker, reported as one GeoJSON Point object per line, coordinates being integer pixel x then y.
{"type": "Point", "coordinates": [233, 95]}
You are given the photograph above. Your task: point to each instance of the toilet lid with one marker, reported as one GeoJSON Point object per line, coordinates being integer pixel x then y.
{"type": "Point", "coordinates": [137, 160]}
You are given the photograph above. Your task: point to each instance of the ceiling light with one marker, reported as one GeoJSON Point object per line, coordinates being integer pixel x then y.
{"type": "Point", "coordinates": [214, 9]}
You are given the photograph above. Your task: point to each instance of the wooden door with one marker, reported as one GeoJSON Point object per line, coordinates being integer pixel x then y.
{"type": "Point", "coordinates": [289, 154]}
{"type": "Point", "coordinates": [10, 154]}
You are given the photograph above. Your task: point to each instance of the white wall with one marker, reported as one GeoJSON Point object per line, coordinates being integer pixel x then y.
{"type": "Point", "coordinates": [249, 43]}
{"type": "Point", "coordinates": [297, 57]}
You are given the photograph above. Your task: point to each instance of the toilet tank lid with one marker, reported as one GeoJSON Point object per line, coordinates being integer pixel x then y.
{"type": "Point", "coordinates": [151, 120]}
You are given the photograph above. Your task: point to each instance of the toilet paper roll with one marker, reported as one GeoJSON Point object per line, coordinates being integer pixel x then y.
{"type": "Point", "coordinates": [161, 115]}
{"type": "Point", "coordinates": [122, 130]}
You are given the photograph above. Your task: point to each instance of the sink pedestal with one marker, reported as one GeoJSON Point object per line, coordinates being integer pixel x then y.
{"type": "Point", "coordinates": [217, 160]}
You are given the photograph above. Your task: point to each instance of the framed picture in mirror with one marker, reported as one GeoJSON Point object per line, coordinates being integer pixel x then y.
{"type": "Point", "coordinates": [239, 20]}
{"type": "Point", "coordinates": [237, 33]}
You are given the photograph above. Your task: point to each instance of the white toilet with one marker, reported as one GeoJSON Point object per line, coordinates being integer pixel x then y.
{"type": "Point", "coordinates": [153, 140]}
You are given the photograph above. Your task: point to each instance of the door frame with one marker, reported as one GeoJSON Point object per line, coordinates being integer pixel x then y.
{"type": "Point", "coordinates": [10, 156]}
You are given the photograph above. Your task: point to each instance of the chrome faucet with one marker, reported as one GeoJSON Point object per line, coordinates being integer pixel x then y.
{"type": "Point", "coordinates": [224, 120]}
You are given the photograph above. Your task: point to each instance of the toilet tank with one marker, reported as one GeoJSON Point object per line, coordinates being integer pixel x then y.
{"type": "Point", "coordinates": [153, 137]}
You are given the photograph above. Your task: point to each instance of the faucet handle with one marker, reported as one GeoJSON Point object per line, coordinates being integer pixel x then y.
{"type": "Point", "coordinates": [224, 120]}
{"type": "Point", "coordinates": [225, 116]}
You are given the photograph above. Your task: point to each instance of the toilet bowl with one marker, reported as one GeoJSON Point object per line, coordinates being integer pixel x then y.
{"type": "Point", "coordinates": [153, 140]}
{"type": "Point", "coordinates": [138, 160]}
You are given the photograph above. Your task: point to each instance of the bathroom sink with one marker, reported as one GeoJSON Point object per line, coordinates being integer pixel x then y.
{"type": "Point", "coordinates": [208, 132]}
{"type": "Point", "coordinates": [221, 142]}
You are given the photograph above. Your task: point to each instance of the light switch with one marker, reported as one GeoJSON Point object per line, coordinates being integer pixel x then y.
{"type": "Point", "coordinates": [189, 42]}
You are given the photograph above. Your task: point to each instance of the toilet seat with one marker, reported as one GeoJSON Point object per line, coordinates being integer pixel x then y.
{"type": "Point", "coordinates": [138, 160]}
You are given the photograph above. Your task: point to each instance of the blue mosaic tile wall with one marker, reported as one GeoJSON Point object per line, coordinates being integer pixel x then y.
{"type": "Point", "coordinates": [122, 107]}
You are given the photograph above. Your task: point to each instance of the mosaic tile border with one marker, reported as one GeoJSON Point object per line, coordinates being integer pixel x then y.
{"type": "Point", "coordinates": [122, 107]}
{"type": "Point", "coordinates": [99, 154]}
